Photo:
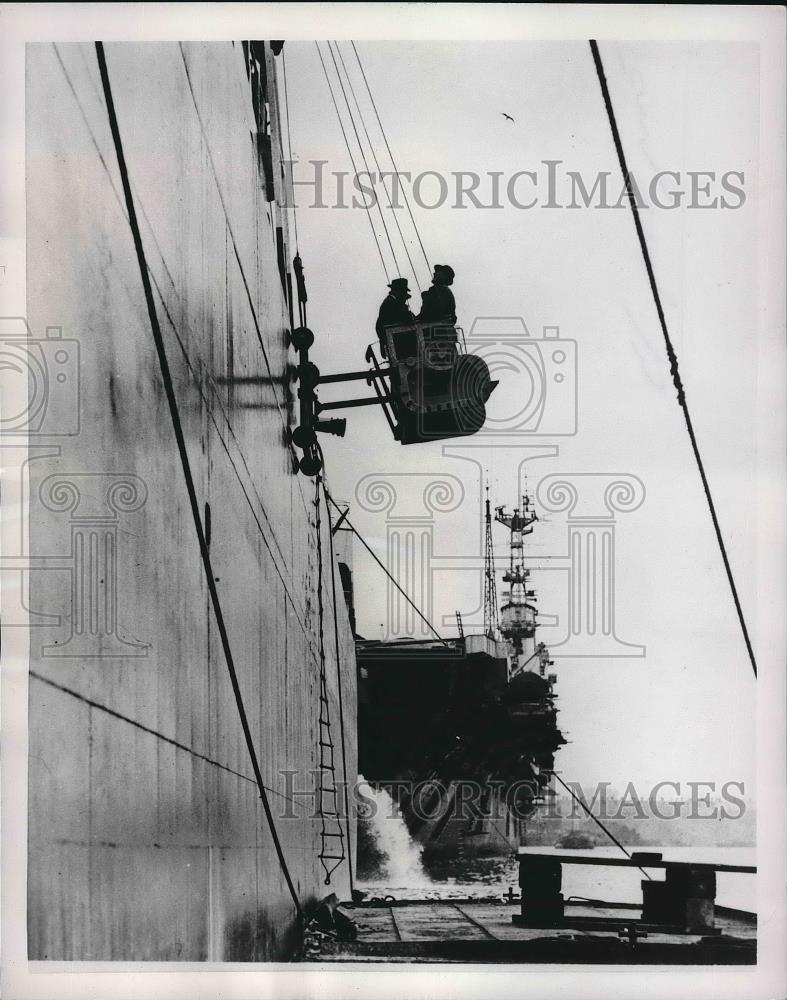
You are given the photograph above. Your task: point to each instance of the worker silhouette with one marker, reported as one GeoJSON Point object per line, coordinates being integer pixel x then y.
{"type": "Point", "coordinates": [438, 304]}
{"type": "Point", "coordinates": [394, 310]}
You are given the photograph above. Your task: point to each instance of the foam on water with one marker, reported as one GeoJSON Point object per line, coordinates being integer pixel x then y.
{"type": "Point", "coordinates": [403, 866]}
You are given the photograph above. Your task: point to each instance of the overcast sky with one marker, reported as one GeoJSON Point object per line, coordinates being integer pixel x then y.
{"type": "Point", "coordinates": [685, 710]}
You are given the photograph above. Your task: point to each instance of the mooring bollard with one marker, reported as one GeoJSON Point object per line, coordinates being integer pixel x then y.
{"type": "Point", "coordinates": [542, 901]}
{"type": "Point", "coordinates": [686, 898]}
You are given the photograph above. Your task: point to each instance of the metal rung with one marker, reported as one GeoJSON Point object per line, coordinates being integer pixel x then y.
{"type": "Point", "coordinates": [331, 857]}
{"type": "Point", "coordinates": [329, 834]}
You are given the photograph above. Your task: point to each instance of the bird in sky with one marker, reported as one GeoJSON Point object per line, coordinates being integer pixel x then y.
{"type": "Point", "coordinates": [506, 116]}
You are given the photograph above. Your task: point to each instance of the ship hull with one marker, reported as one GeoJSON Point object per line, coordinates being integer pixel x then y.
{"type": "Point", "coordinates": [148, 839]}
{"type": "Point", "coordinates": [450, 833]}
{"type": "Point", "coordinates": [462, 747]}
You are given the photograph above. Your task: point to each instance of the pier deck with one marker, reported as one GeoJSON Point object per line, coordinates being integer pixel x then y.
{"type": "Point", "coordinates": [474, 931]}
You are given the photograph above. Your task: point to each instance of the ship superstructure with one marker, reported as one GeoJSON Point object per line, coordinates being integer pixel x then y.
{"type": "Point", "coordinates": [479, 716]}
{"type": "Point", "coordinates": [519, 612]}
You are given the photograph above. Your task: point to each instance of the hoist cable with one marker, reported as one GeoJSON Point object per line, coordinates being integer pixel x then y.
{"type": "Point", "coordinates": [390, 154]}
{"type": "Point", "coordinates": [377, 164]}
{"type": "Point", "coordinates": [673, 360]}
{"type": "Point", "coordinates": [363, 154]}
{"type": "Point", "coordinates": [177, 427]}
{"type": "Point", "coordinates": [352, 158]}
{"type": "Point", "coordinates": [384, 568]}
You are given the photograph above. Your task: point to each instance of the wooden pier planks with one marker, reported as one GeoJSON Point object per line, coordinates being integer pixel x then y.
{"type": "Point", "coordinates": [468, 931]}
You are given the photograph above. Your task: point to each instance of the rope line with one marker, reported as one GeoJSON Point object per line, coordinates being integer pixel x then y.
{"type": "Point", "coordinates": [186, 467]}
{"type": "Point", "coordinates": [673, 360]}
{"type": "Point", "coordinates": [377, 164]}
{"type": "Point", "coordinates": [352, 159]}
{"type": "Point", "coordinates": [595, 819]}
{"type": "Point", "coordinates": [384, 568]}
{"type": "Point", "coordinates": [363, 154]}
{"type": "Point", "coordinates": [390, 154]}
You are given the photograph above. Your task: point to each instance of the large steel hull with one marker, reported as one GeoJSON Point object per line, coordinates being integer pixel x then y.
{"type": "Point", "coordinates": [147, 836]}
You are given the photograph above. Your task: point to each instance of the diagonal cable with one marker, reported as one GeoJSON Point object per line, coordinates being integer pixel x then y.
{"type": "Point", "coordinates": [390, 154]}
{"type": "Point", "coordinates": [673, 360]}
{"type": "Point", "coordinates": [385, 570]}
{"type": "Point", "coordinates": [177, 427]}
{"type": "Point", "coordinates": [360, 147]}
{"type": "Point", "coordinates": [352, 159]}
{"type": "Point", "coordinates": [596, 820]}
{"type": "Point", "coordinates": [377, 163]}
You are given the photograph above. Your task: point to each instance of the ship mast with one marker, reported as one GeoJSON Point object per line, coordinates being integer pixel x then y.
{"type": "Point", "coordinates": [491, 616]}
{"type": "Point", "coordinates": [518, 614]}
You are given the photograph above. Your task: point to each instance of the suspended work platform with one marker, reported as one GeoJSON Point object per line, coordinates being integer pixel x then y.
{"type": "Point", "coordinates": [430, 389]}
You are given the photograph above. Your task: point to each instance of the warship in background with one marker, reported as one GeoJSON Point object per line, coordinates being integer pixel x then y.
{"type": "Point", "coordinates": [464, 731]}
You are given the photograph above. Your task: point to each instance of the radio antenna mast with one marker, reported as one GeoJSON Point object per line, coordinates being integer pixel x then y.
{"type": "Point", "coordinates": [491, 614]}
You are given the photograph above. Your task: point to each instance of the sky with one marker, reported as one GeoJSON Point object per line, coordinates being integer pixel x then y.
{"type": "Point", "coordinates": [685, 710]}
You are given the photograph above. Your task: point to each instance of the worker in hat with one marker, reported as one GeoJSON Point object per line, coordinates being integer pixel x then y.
{"type": "Point", "coordinates": [394, 310]}
{"type": "Point", "coordinates": [438, 304]}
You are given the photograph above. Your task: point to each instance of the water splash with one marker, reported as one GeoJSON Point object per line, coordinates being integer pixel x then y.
{"type": "Point", "coordinates": [402, 855]}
